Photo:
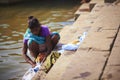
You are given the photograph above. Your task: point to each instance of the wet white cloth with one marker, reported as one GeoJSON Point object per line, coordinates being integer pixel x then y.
{"type": "Point", "coordinates": [73, 47]}
{"type": "Point", "coordinates": [82, 37]}
{"type": "Point", "coordinates": [31, 72]}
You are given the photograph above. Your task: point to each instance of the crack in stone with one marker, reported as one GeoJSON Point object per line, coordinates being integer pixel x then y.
{"type": "Point", "coordinates": [111, 47]}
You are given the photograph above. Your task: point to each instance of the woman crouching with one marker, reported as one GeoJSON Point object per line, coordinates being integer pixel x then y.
{"type": "Point", "coordinates": [38, 40]}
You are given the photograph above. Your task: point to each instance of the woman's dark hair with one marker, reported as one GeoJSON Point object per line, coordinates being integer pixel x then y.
{"type": "Point", "coordinates": [30, 17]}
{"type": "Point", "coordinates": [33, 23]}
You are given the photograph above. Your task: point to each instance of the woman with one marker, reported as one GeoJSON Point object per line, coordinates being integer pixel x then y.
{"type": "Point", "coordinates": [38, 40]}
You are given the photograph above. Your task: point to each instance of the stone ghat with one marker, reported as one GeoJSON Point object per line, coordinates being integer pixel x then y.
{"type": "Point", "coordinates": [98, 57]}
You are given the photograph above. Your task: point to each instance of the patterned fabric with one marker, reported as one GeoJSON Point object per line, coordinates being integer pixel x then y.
{"type": "Point", "coordinates": [50, 60]}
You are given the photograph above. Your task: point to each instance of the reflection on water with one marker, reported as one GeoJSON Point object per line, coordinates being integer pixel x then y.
{"type": "Point", "coordinates": [13, 23]}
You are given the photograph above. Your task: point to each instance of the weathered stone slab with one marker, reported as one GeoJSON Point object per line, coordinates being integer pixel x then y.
{"type": "Point", "coordinates": [82, 10]}
{"type": "Point", "coordinates": [89, 61]}
{"type": "Point", "coordinates": [99, 40]}
{"type": "Point", "coordinates": [80, 22]}
{"type": "Point", "coordinates": [94, 2]}
{"type": "Point", "coordinates": [112, 73]}
{"type": "Point", "coordinates": [95, 13]}
{"type": "Point", "coordinates": [108, 18]}
{"type": "Point", "coordinates": [114, 59]}
{"type": "Point", "coordinates": [104, 29]}
{"type": "Point", "coordinates": [98, 7]}
{"type": "Point", "coordinates": [112, 69]}
{"type": "Point", "coordinates": [65, 33]}
{"type": "Point", "coordinates": [71, 33]}
{"type": "Point", "coordinates": [85, 65]}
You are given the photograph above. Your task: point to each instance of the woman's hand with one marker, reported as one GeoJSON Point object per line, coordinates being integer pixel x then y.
{"type": "Point", "coordinates": [27, 58]}
{"type": "Point", "coordinates": [33, 64]}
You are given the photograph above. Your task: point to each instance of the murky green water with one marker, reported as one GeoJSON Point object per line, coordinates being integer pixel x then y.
{"type": "Point", "coordinates": [13, 23]}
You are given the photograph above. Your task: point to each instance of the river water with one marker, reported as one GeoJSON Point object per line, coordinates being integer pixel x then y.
{"type": "Point", "coordinates": [13, 23]}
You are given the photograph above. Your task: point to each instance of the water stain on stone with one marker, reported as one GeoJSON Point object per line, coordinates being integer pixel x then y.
{"type": "Point", "coordinates": [76, 77]}
{"type": "Point", "coordinates": [69, 67]}
{"type": "Point", "coordinates": [4, 56]}
{"type": "Point", "coordinates": [23, 62]}
{"type": "Point", "coordinates": [109, 76]}
{"type": "Point", "coordinates": [83, 75]}
{"type": "Point", "coordinates": [110, 37]}
{"type": "Point", "coordinates": [1, 61]}
{"type": "Point", "coordinates": [14, 54]}
{"type": "Point", "coordinates": [115, 65]}
{"type": "Point", "coordinates": [69, 53]}
{"type": "Point", "coordinates": [106, 55]}
{"type": "Point", "coordinates": [118, 70]}
{"type": "Point", "coordinates": [99, 29]}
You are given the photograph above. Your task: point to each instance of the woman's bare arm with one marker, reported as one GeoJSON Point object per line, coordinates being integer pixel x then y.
{"type": "Point", "coordinates": [24, 51]}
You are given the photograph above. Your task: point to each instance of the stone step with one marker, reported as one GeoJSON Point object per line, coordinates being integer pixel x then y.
{"type": "Point", "coordinates": [82, 10]}
{"type": "Point", "coordinates": [89, 60]}
{"type": "Point", "coordinates": [85, 65]}
{"type": "Point", "coordinates": [71, 33]}
{"type": "Point", "coordinates": [99, 40]}
{"type": "Point", "coordinates": [103, 29]}
{"type": "Point", "coordinates": [94, 2]}
{"type": "Point", "coordinates": [68, 34]}
{"type": "Point", "coordinates": [112, 69]}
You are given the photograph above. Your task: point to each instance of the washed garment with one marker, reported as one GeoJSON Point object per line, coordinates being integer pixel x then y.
{"type": "Point", "coordinates": [42, 66]}
{"type": "Point", "coordinates": [74, 45]}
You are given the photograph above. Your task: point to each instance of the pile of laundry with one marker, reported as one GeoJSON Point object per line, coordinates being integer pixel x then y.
{"type": "Point", "coordinates": [74, 45]}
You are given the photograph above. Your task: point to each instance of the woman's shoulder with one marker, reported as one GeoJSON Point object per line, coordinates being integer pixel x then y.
{"type": "Point", "coordinates": [45, 30]}
{"type": "Point", "coordinates": [44, 26]}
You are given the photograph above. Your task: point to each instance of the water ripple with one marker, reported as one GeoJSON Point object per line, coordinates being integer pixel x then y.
{"type": "Point", "coordinates": [8, 42]}
{"type": "Point", "coordinates": [4, 25]}
{"type": "Point", "coordinates": [11, 46]}
{"type": "Point", "coordinates": [16, 33]}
